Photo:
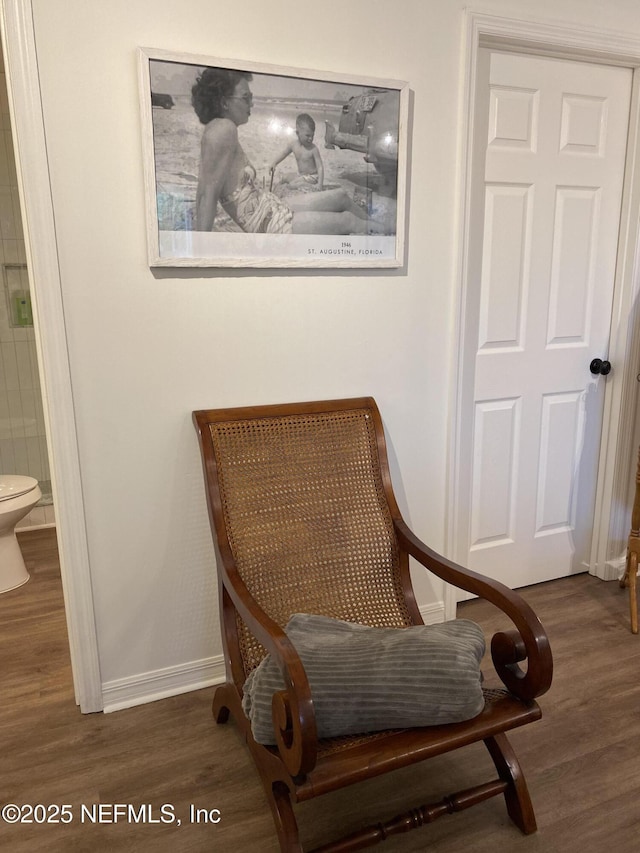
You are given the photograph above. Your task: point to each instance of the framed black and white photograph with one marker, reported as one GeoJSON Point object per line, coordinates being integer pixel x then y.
{"type": "Point", "coordinates": [250, 165]}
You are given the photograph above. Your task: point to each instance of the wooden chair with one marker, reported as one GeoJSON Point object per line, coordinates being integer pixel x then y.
{"type": "Point", "coordinates": [305, 520]}
{"type": "Point", "coordinates": [629, 579]}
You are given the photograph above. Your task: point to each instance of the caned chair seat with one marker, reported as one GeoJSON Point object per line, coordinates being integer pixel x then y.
{"type": "Point", "coordinates": [305, 521]}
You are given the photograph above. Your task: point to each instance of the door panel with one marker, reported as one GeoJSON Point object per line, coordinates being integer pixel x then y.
{"type": "Point", "coordinates": [553, 172]}
{"type": "Point", "coordinates": [505, 265]}
{"type": "Point", "coordinates": [495, 441]}
{"type": "Point", "coordinates": [559, 443]}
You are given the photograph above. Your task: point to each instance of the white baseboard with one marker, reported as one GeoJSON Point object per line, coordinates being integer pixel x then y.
{"type": "Point", "coordinates": [162, 683]}
{"type": "Point", "coordinates": [432, 614]}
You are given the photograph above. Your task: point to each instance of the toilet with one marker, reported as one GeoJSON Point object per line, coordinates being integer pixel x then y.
{"type": "Point", "coordinates": [18, 496]}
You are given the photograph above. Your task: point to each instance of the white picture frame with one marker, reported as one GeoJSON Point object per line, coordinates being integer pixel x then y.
{"type": "Point", "coordinates": [367, 166]}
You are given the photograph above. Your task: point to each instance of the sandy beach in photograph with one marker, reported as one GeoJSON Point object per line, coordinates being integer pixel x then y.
{"type": "Point", "coordinates": [177, 134]}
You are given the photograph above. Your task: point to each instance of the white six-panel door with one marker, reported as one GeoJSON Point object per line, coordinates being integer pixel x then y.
{"type": "Point", "coordinates": [554, 165]}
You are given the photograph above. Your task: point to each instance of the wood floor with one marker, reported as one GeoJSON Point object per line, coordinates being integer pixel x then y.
{"type": "Point", "coordinates": [581, 760]}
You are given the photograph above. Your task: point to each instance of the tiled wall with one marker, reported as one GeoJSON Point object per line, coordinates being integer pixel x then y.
{"type": "Point", "coordinates": [23, 448]}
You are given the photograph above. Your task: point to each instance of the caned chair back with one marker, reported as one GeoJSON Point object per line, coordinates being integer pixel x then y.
{"type": "Point", "coordinates": [299, 501]}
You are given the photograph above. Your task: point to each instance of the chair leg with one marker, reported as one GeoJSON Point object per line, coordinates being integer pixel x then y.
{"type": "Point", "coordinates": [632, 572]}
{"type": "Point", "coordinates": [226, 701]}
{"type": "Point", "coordinates": [519, 804]}
{"type": "Point", "coordinates": [222, 702]}
{"type": "Point", "coordinates": [633, 549]}
{"type": "Point", "coordinates": [284, 818]}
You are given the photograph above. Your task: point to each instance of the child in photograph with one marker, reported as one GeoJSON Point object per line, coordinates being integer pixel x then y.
{"type": "Point", "coordinates": [310, 167]}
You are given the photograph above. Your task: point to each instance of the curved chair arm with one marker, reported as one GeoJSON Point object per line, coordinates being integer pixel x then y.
{"type": "Point", "coordinates": [294, 718]}
{"type": "Point", "coordinates": [529, 642]}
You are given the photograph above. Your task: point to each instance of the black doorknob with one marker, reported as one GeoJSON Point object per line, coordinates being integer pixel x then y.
{"type": "Point", "coordinates": [600, 366]}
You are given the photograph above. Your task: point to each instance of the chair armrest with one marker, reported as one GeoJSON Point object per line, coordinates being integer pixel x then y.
{"type": "Point", "coordinates": [529, 642]}
{"type": "Point", "coordinates": [294, 719]}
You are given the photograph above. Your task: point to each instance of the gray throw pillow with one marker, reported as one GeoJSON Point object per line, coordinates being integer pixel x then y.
{"type": "Point", "coordinates": [365, 679]}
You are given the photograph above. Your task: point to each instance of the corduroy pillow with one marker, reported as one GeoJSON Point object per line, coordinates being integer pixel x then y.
{"type": "Point", "coordinates": [365, 679]}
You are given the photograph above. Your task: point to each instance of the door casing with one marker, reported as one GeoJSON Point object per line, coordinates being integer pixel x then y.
{"type": "Point", "coordinates": [611, 515]}
{"type": "Point", "coordinates": [27, 124]}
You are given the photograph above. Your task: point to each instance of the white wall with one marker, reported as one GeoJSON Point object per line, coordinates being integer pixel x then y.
{"type": "Point", "coordinates": [146, 348]}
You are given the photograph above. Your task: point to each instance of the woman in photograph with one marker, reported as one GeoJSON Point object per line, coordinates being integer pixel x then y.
{"type": "Point", "coordinates": [222, 100]}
